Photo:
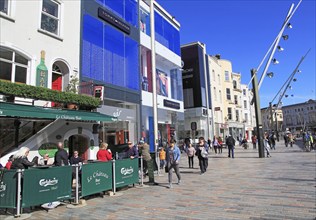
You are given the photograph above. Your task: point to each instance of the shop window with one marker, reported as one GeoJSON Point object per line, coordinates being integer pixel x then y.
{"type": "Point", "coordinates": [13, 66]}
{"type": "Point", "coordinates": [50, 18]}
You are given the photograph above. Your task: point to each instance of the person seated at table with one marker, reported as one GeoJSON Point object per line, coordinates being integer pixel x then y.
{"type": "Point", "coordinates": [20, 160]}
{"type": "Point", "coordinates": [45, 160]}
{"type": "Point", "coordinates": [9, 163]}
{"type": "Point", "coordinates": [131, 151]}
{"type": "Point", "coordinates": [75, 159]}
{"type": "Point", "coordinates": [104, 154]}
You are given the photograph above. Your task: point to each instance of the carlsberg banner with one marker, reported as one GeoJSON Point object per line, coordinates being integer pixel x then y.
{"type": "Point", "coordinates": [43, 185]}
{"type": "Point", "coordinates": [126, 172]}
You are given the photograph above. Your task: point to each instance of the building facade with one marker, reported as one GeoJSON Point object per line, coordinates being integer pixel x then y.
{"type": "Point", "coordinates": [196, 94]}
{"type": "Point", "coordinates": [170, 116]}
{"type": "Point", "coordinates": [300, 117]}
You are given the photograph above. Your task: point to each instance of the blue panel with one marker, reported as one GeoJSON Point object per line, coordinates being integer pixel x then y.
{"type": "Point", "coordinates": [151, 135]}
{"type": "Point", "coordinates": [166, 34]}
{"type": "Point", "coordinates": [131, 12]}
{"type": "Point", "coordinates": [131, 65]}
{"type": "Point", "coordinates": [108, 55]}
{"type": "Point", "coordinates": [92, 48]}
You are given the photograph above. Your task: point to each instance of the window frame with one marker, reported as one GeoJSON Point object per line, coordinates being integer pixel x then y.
{"type": "Point", "coordinates": [15, 64]}
{"type": "Point", "coordinates": [228, 95]}
{"type": "Point", "coordinates": [58, 18]}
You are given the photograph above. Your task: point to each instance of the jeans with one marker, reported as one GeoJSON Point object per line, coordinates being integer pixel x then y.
{"type": "Point", "coordinates": [203, 162]}
{"type": "Point", "coordinates": [231, 151]}
{"type": "Point", "coordinates": [176, 170]}
{"type": "Point", "coordinates": [191, 161]}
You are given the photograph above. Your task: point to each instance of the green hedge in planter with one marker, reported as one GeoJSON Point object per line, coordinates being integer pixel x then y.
{"type": "Point", "coordinates": [41, 93]}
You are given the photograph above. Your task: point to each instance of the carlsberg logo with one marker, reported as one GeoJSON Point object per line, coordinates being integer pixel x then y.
{"type": "Point", "coordinates": [49, 182]}
{"type": "Point", "coordinates": [127, 171]}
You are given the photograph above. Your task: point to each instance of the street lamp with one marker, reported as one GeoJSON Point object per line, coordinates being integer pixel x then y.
{"type": "Point", "coordinates": [255, 84]}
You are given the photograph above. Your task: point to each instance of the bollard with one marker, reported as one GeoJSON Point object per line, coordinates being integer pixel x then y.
{"type": "Point", "coordinates": [114, 183]}
{"type": "Point", "coordinates": [142, 170]}
{"type": "Point", "coordinates": [77, 185]}
{"type": "Point", "coordinates": [18, 200]}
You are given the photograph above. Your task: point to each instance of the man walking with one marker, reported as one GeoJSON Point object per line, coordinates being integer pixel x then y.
{"type": "Point", "coordinates": [230, 142]}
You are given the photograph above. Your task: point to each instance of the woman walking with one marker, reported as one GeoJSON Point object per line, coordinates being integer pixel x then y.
{"type": "Point", "coordinates": [173, 159]}
{"type": "Point", "coordinates": [191, 152]}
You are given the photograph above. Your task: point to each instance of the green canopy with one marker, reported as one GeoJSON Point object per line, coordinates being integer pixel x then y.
{"type": "Point", "coordinates": [29, 111]}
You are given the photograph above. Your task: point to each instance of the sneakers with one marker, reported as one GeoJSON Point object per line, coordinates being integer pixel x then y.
{"type": "Point", "coordinates": [179, 182]}
{"type": "Point", "coordinates": [170, 186]}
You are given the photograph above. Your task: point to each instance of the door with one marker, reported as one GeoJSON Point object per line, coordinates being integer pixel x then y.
{"type": "Point", "coordinates": [56, 85]}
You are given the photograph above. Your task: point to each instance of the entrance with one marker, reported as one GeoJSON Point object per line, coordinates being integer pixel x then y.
{"type": "Point", "coordinates": [79, 143]}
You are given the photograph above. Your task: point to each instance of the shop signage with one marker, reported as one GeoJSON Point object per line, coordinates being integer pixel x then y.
{"type": "Point", "coordinates": [171, 104]}
{"type": "Point", "coordinates": [217, 108]}
{"type": "Point", "coordinates": [113, 20]}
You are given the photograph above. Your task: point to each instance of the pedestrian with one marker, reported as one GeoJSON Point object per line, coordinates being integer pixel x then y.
{"type": "Point", "coordinates": [104, 154]}
{"type": "Point", "coordinates": [272, 141]}
{"type": "Point", "coordinates": [202, 154]}
{"type": "Point", "coordinates": [173, 159]}
{"type": "Point", "coordinates": [215, 144]}
{"type": "Point", "coordinates": [230, 142]}
{"type": "Point", "coordinates": [286, 139]}
{"type": "Point", "coordinates": [147, 161]}
{"type": "Point", "coordinates": [162, 158]}
{"type": "Point", "coordinates": [267, 144]}
{"type": "Point", "coordinates": [191, 152]}
{"type": "Point", "coordinates": [254, 141]}
{"type": "Point", "coordinates": [220, 145]}
{"type": "Point", "coordinates": [76, 159]}
{"type": "Point", "coordinates": [20, 160]}
{"type": "Point", "coordinates": [61, 155]}
{"type": "Point", "coordinates": [209, 142]}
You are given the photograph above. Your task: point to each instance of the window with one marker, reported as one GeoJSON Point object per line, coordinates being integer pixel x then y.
{"type": "Point", "coordinates": [50, 20]}
{"type": "Point", "coordinates": [219, 79]}
{"type": "Point", "coordinates": [237, 115]}
{"type": "Point", "coordinates": [246, 117]}
{"type": "Point", "coordinates": [215, 95]}
{"type": "Point", "coordinates": [226, 76]}
{"type": "Point", "coordinates": [13, 66]}
{"type": "Point", "coordinates": [220, 96]}
{"type": "Point", "coordinates": [228, 94]}
{"type": "Point", "coordinates": [229, 116]}
{"type": "Point", "coordinates": [213, 75]}
{"type": "Point", "coordinates": [4, 6]}
{"type": "Point", "coordinates": [244, 92]}
{"type": "Point", "coordinates": [235, 84]}
{"type": "Point", "coordinates": [236, 99]}
{"type": "Point", "coordinates": [245, 104]}
{"type": "Point", "coordinates": [176, 84]}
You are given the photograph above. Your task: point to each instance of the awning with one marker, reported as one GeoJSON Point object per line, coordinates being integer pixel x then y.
{"type": "Point", "coordinates": [29, 111]}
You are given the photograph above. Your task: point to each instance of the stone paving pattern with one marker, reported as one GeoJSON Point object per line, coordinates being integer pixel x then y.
{"type": "Point", "coordinates": [246, 187]}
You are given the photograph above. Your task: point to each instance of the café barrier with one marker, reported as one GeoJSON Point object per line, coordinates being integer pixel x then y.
{"type": "Point", "coordinates": [41, 185]}
{"type": "Point", "coordinates": [8, 189]}
{"type": "Point", "coordinates": [96, 177]}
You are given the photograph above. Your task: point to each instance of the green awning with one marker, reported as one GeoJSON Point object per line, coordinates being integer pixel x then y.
{"type": "Point", "coordinates": [29, 111]}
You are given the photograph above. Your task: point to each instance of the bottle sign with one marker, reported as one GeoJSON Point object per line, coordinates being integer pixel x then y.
{"type": "Point", "coordinates": [42, 72]}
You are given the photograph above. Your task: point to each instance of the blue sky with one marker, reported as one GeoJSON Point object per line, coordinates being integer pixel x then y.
{"type": "Point", "coordinates": [242, 32]}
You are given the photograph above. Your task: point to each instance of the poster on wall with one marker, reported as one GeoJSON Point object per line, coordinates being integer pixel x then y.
{"type": "Point", "coordinates": [162, 83]}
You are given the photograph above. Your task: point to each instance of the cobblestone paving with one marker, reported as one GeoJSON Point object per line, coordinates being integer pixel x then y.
{"type": "Point", "coordinates": [247, 187]}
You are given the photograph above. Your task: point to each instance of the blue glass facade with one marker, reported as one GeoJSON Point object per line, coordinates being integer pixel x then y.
{"type": "Point", "coordinates": [126, 9]}
{"type": "Point", "coordinates": [109, 55]}
{"type": "Point", "coordinates": [166, 34]}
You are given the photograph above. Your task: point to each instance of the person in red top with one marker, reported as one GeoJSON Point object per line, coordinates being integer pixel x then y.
{"type": "Point", "coordinates": [104, 154]}
{"type": "Point", "coordinates": [8, 164]}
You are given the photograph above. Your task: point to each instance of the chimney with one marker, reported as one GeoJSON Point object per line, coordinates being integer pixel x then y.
{"type": "Point", "coordinates": [218, 56]}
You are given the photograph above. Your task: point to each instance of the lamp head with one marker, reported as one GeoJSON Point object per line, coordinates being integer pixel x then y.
{"type": "Point", "coordinates": [285, 37]}
{"type": "Point", "coordinates": [289, 25]}
{"type": "Point", "coordinates": [275, 61]}
{"type": "Point", "coordinates": [270, 75]}
{"type": "Point", "coordinates": [294, 80]}
{"type": "Point", "coordinates": [280, 48]}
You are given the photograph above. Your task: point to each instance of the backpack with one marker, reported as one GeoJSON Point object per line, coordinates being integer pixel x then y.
{"type": "Point", "coordinates": [204, 153]}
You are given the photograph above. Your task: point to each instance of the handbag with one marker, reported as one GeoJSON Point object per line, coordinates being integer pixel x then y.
{"type": "Point", "coordinates": [204, 153]}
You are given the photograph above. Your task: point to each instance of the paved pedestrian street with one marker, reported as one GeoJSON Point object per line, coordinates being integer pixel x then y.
{"type": "Point", "coordinates": [246, 187]}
